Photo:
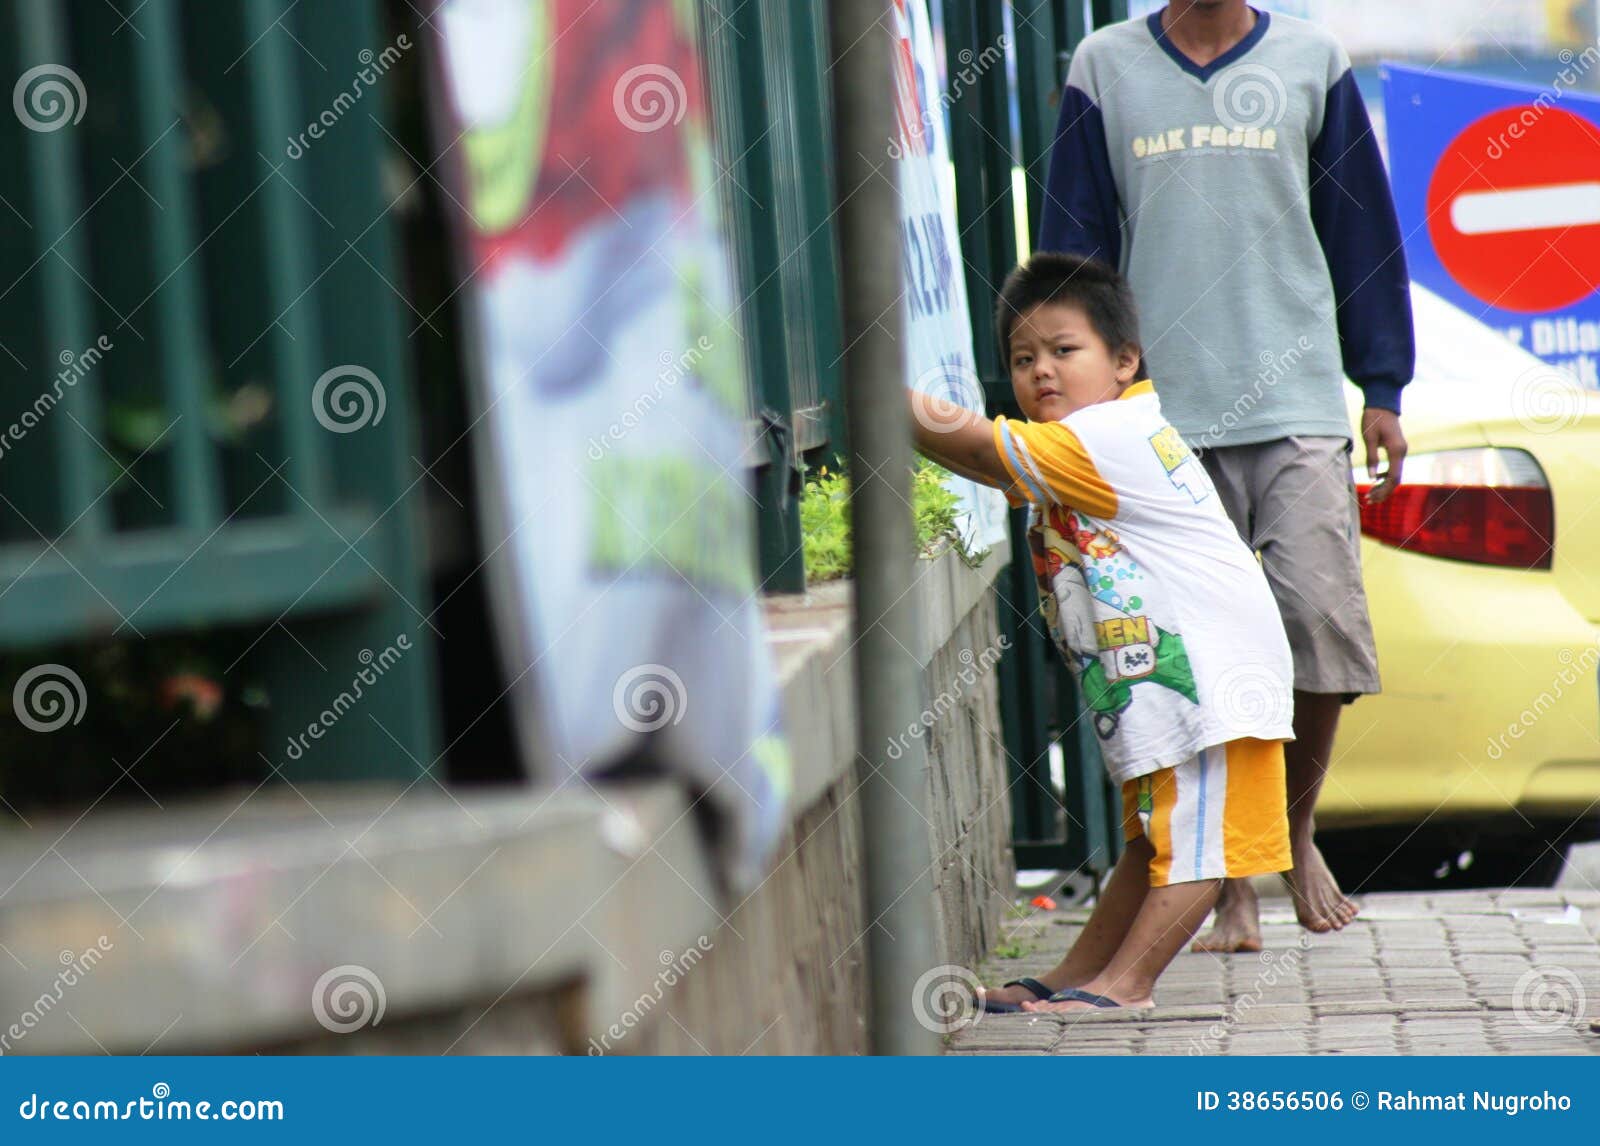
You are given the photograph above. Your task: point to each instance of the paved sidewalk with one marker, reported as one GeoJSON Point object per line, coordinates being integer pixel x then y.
{"type": "Point", "coordinates": [1473, 972]}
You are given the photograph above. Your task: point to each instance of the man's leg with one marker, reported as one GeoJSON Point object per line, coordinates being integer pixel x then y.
{"type": "Point", "coordinates": [1237, 926]}
{"type": "Point", "coordinates": [1108, 926]}
{"type": "Point", "coordinates": [1308, 531]}
{"type": "Point", "coordinates": [1319, 905]}
{"type": "Point", "coordinates": [1318, 902]}
{"type": "Point", "coordinates": [1167, 920]}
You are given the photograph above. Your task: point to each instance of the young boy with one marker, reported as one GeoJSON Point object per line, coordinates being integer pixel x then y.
{"type": "Point", "coordinates": [1158, 606]}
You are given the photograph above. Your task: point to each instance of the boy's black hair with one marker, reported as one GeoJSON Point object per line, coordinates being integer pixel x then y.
{"type": "Point", "coordinates": [1100, 291]}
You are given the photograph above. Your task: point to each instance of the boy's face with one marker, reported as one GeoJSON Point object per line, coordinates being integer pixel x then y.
{"type": "Point", "coordinates": [1059, 364]}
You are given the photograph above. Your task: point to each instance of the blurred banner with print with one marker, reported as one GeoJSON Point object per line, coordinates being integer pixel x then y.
{"type": "Point", "coordinates": [938, 325]}
{"type": "Point", "coordinates": [609, 401]}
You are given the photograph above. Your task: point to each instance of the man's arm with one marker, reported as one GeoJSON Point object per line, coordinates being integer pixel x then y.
{"type": "Point", "coordinates": [1353, 212]}
{"type": "Point", "coordinates": [1080, 214]}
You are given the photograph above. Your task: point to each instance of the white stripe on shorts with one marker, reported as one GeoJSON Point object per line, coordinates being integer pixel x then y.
{"type": "Point", "coordinates": [1197, 843]}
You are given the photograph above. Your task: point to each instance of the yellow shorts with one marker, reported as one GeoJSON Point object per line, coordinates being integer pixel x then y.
{"type": "Point", "coordinates": [1223, 813]}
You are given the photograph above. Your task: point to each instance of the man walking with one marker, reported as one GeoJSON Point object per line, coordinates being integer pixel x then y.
{"type": "Point", "coordinates": [1222, 159]}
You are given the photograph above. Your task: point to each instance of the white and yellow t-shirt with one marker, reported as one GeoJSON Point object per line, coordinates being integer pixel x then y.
{"type": "Point", "coordinates": [1162, 611]}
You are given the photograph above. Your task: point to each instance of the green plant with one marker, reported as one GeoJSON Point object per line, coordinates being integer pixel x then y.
{"type": "Point", "coordinates": [825, 520]}
{"type": "Point", "coordinates": [935, 507]}
{"type": "Point", "coordinates": [1011, 950]}
{"type": "Point", "coordinates": [825, 526]}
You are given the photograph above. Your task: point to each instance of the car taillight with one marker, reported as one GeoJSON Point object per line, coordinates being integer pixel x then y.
{"type": "Point", "coordinates": [1491, 506]}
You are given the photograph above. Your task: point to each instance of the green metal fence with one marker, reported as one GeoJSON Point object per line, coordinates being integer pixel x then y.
{"type": "Point", "coordinates": [171, 462]}
{"type": "Point", "coordinates": [1078, 826]}
{"type": "Point", "coordinates": [179, 470]}
{"type": "Point", "coordinates": [767, 65]}
{"type": "Point", "coordinates": [766, 62]}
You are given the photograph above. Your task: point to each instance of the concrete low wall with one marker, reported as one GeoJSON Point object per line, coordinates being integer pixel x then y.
{"type": "Point", "coordinates": [973, 869]}
{"type": "Point", "coordinates": [788, 971]}
{"type": "Point", "coordinates": [358, 920]}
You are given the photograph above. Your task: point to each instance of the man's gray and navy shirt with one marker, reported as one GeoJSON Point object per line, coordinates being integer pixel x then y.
{"type": "Point", "coordinates": [1247, 203]}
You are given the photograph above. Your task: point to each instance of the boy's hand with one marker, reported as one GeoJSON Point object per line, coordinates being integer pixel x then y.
{"type": "Point", "coordinates": [1380, 430]}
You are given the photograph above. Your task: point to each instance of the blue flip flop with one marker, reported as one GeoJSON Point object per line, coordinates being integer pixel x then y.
{"type": "Point", "coordinates": [1078, 995]}
{"type": "Point", "coordinates": [1040, 991]}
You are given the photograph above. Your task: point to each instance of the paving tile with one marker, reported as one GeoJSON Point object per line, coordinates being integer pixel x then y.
{"type": "Point", "coordinates": [1275, 1045]}
{"type": "Point", "coordinates": [1430, 973]}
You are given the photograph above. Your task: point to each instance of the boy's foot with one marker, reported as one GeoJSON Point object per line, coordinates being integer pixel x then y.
{"type": "Point", "coordinates": [1319, 905]}
{"type": "Point", "coordinates": [1021, 994]}
{"type": "Point", "coordinates": [1074, 1006]}
{"type": "Point", "coordinates": [1237, 925]}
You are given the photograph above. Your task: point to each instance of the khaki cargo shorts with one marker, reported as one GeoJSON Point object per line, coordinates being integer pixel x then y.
{"type": "Point", "coordinates": [1294, 503]}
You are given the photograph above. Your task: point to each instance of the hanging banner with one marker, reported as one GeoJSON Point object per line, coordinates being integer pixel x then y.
{"type": "Point", "coordinates": [610, 403]}
{"type": "Point", "coordinates": [934, 314]}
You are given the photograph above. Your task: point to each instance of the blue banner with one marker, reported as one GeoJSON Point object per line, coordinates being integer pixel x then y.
{"type": "Point", "coordinates": [1497, 187]}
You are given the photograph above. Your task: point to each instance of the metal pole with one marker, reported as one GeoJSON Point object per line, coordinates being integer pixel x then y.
{"type": "Point", "coordinates": [894, 792]}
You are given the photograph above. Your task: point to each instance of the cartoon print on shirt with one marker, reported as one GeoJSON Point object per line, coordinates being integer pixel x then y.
{"type": "Point", "coordinates": [1160, 659]}
{"type": "Point", "coordinates": [1062, 581]}
{"type": "Point", "coordinates": [1098, 544]}
{"type": "Point", "coordinates": [1183, 468]}
{"type": "Point", "coordinates": [1079, 581]}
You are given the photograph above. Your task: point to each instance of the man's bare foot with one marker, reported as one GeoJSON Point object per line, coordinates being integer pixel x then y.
{"type": "Point", "coordinates": [1319, 905]}
{"type": "Point", "coordinates": [1237, 925]}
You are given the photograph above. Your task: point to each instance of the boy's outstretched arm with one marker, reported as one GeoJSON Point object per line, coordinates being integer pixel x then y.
{"type": "Point", "coordinates": [957, 438]}
{"type": "Point", "coordinates": [1044, 462]}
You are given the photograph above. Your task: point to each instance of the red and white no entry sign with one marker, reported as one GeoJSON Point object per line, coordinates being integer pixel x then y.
{"type": "Point", "coordinates": [1514, 208]}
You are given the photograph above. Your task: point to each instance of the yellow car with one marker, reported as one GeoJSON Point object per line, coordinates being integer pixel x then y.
{"type": "Point", "coordinates": [1480, 760]}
